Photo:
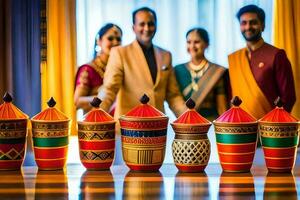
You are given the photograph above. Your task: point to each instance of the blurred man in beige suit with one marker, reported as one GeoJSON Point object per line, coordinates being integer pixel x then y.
{"type": "Point", "coordinates": [139, 68]}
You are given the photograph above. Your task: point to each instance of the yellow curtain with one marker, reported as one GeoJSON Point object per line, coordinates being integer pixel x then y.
{"type": "Point", "coordinates": [57, 73]}
{"type": "Point", "coordinates": [287, 36]}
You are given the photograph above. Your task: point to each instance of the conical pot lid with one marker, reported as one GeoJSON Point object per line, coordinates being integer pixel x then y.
{"type": "Point", "coordinates": [191, 116]}
{"type": "Point", "coordinates": [97, 114]}
{"type": "Point", "coordinates": [235, 114]}
{"type": "Point", "coordinates": [8, 111]}
{"type": "Point", "coordinates": [144, 110]}
{"type": "Point", "coordinates": [278, 114]}
{"type": "Point", "coordinates": [51, 113]}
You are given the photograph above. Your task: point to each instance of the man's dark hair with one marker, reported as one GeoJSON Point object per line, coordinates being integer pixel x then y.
{"type": "Point", "coordinates": [143, 9]}
{"type": "Point", "coordinates": [202, 33]}
{"type": "Point", "coordinates": [252, 9]}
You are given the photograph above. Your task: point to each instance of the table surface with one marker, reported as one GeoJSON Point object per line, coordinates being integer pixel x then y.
{"type": "Point", "coordinates": [74, 182]}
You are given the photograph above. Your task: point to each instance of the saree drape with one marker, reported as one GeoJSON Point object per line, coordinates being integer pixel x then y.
{"type": "Point", "coordinates": [57, 73]}
{"type": "Point", "coordinates": [287, 36]}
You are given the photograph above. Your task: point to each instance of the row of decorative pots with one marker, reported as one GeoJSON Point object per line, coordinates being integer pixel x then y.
{"type": "Point", "coordinates": [144, 135]}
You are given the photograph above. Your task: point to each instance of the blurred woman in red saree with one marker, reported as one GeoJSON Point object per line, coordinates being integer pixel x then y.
{"type": "Point", "coordinates": [89, 77]}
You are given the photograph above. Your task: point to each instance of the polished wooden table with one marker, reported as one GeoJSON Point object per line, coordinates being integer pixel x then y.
{"type": "Point", "coordinates": [120, 183]}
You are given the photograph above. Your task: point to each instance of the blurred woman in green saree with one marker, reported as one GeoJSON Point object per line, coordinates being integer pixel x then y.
{"type": "Point", "coordinates": [201, 80]}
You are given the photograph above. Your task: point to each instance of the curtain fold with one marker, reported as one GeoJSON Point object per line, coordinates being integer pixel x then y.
{"type": "Point", "coordinates": [57, 73]}
{"type": "Point", "coordinates": [287, 36]}
{"type": "Point", "coordinates": [25, 34]}
{"type": "Point", "coordinates": [5, 48]}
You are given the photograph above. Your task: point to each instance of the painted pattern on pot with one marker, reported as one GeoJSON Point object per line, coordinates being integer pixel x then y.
{"type": "Point", "coordinates": [144, 134]}
{"type": "Point", "coordinates": [279, 134]}
{"type": "Point", "coordinates": [236, 137]}
{"type": "Point", "coordinates": [50, 136]}
{"type": "Point", "coordinates": [96, 135]}
{"type": "Point", "coordinates": [191, 147]}
{"type": "Point", "coordinates": [13, 132]}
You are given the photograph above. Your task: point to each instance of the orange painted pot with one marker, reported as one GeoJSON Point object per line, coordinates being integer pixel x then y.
{"type": "Point", "coordinates": [96, 135]}
{"type": "Point", "coordinates": [236, 137]}
{"type": "Point", "coordinates": [236, 144]}
{"type": "Point", "coordinates": [50, 144]}
{"type": "Point", "coordinates": [279, 142]}
{"type": "Point", "coordinates": [50, 136]}
{"type": "Point", "coordinates": [279, 134]}
{"type": "Point", "coordinates": [13, 133]}
{"type": "Point", "coordinates": [96, 144]}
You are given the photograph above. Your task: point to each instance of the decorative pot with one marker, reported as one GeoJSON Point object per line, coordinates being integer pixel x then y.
{"type": "Point", "coordinates": [144, 134]}
{"type": "Point", "coordinates": [50, 135]}
{"type": "Point", "coordinates": [279, 136]}
{"type": "Point", "coordinates": [96, 135]}
{"type": "Point", "coordinates": [13, 130]}
{"type": "Point", "coordinates": [236, 137]}
{"type": "Point", "coordinates": [191, 147]}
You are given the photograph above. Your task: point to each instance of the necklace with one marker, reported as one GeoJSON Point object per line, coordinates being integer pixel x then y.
{"type": "Point", "coordinates": [99, 65]}
{"type": "Point", "coordinates": [197, 72]}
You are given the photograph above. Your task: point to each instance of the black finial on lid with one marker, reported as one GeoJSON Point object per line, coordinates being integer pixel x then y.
{"type": "Point", "coordinates": [51, 103]}
{"type": "Point", "coordinates": [7, 97]}
{"type": "Point", "coordinates": [278, 102]}
{"type": "Point", "coordinates": [96, 102]}
{"type": "Point", "coordinates": [236, 101]}
{"type": "Point", "coordinates": [145, 99]}
{"type": "Point", "coordinates": [190, 103]}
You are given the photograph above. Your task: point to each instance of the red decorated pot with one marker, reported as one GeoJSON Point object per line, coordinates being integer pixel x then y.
{"type": "Point", "coordinates": [50, 136]}
{"type": "Point", "coordinates": [236, 137]}
{"type": "Point", "coordinates": [144, 134]}
{"type": "Point", "coordinates": [191, 147]}
{"type": "Point", "coordinates": [96, 135]}
{"type": "Point", "coordinates": [13, 129]}
{"type": "Point", "coordinates": [279, 137]}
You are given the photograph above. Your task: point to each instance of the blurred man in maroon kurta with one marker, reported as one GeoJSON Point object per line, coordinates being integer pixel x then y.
{"type": "Point", "coordinates": [260, 72]}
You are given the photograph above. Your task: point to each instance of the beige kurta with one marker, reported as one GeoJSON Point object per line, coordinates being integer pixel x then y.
{"type": "Point", "coordinates": [127, 73]}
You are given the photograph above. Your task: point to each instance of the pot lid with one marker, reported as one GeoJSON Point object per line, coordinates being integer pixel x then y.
{"type": "Point", "coordinates": [236, 114]}
{"type": "Point", "coordinates": [9, 111]}
{"type": "Point", "coordinates": [97, 114]}
{"type": "Point", "coordinates": [191, 116]}
{"type": "Point", "coordinates": [51, 113]}
{"type": "Point", "coordinates": [144, 110]}
{"type": "Point", "coordinates": [278, 114]}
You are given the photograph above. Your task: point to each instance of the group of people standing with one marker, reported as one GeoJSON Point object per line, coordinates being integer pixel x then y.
{"type": "Point", "coordinates": [120, 75]}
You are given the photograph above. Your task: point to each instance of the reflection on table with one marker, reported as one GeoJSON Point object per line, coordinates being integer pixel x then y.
{"type": "Point", "coordinates": [236, 185]}
{"type": "Point", "coordinates": [12, 185]}
{"type": "Point", "coordinates": [51, 185]}
{"type": "Point", "coordinates": [119, 183]}
{"type": "Point", "coordinates": [189, 185]}
{"type": "Point", "coordinates": [141, 185]}
{"type": "Point", "coordinates": [97, 185]}
{"type": "Point", "coordinates": [280, 186]}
